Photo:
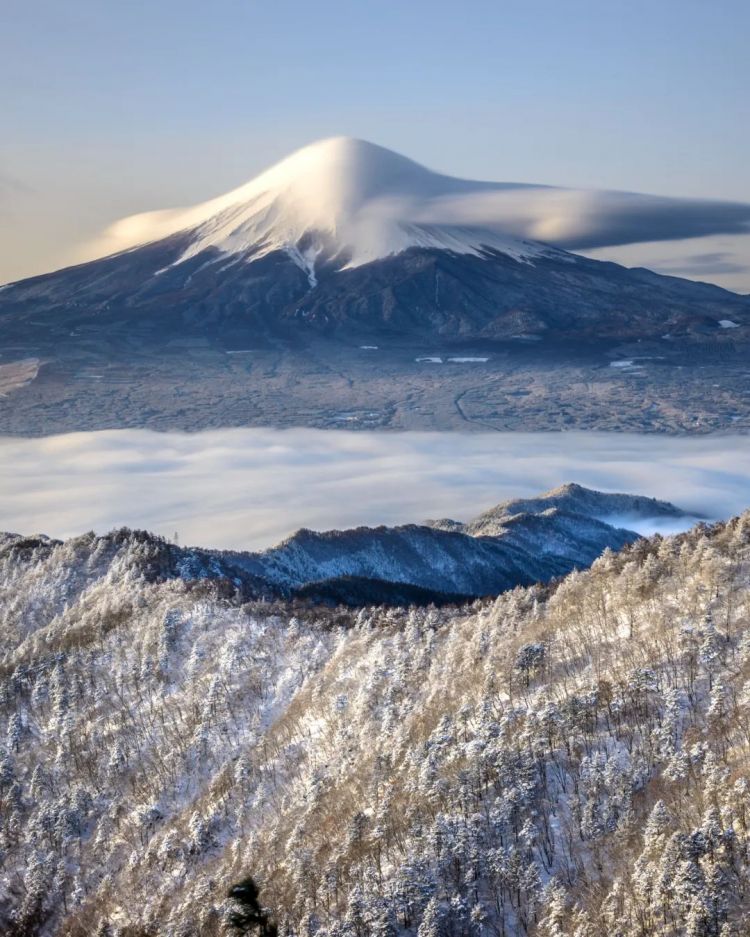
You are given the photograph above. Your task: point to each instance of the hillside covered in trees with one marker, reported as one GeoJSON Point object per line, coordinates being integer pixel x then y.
{"type": "Point", "coordinates": [569, 759]}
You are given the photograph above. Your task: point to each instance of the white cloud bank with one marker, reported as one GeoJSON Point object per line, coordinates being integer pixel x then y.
{"type": "Point", "coordinates": [249, 488]}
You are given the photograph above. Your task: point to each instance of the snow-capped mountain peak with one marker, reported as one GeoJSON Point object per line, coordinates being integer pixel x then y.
{"type": "Point", "coordinates": [341, 197]}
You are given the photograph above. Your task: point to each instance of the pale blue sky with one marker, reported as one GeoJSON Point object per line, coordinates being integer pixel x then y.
{"type": "Point", "coordinates": [111, 108]}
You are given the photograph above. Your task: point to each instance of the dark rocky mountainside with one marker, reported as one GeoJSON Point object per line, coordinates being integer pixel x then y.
{"type": "Point", "coordinates": [422, 340]}
{"type": "Point", "coordinates": [147, 297]}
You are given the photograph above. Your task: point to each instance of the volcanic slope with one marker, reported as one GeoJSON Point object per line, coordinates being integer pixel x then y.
{"type": "Point", "coordinates": [348, 283]}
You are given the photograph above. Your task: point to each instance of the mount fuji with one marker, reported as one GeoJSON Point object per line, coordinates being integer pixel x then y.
{"type": "Point", "coordinates": [321, 291]}
{"type": "Point", "coordinates": [338, 204]}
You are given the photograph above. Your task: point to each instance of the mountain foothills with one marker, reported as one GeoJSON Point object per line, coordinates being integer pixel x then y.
{"type": "Point", "coordinates": [564, 759]}
{"type": "Point", "coordinates": [519, 542]}
{"type": "Point", "coordinates": [348, 285]}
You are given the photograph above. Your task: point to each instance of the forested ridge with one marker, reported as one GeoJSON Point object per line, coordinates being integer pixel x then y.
{"type": "Point", "coordinates": [569, 759]}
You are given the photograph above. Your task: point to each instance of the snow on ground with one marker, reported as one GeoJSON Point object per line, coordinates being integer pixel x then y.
{"type": "Point", "coordinates": [629, 365]}
{"type": "Point", "coordinates": [164, 740]}
{"type": "Point", "coordinates": [17, 374]}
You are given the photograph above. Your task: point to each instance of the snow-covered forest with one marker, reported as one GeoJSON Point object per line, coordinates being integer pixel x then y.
{"type": "Point", "coordinates": [564, 760]}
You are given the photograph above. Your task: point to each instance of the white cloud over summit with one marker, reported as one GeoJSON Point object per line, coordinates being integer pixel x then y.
{"type": "Point", "coordinates": [368, 202]}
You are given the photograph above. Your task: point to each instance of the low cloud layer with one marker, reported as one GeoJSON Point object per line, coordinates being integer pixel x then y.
{"type": "Point", "coordinates": [721, 259]}
{"type": "Point", "coordinates": [250, 488]}
{"type": "Point", "coordinates": [707, 265]}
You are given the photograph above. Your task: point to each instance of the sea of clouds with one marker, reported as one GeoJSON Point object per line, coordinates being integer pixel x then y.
{"type": "Point", "coordinates": [249, 488]}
